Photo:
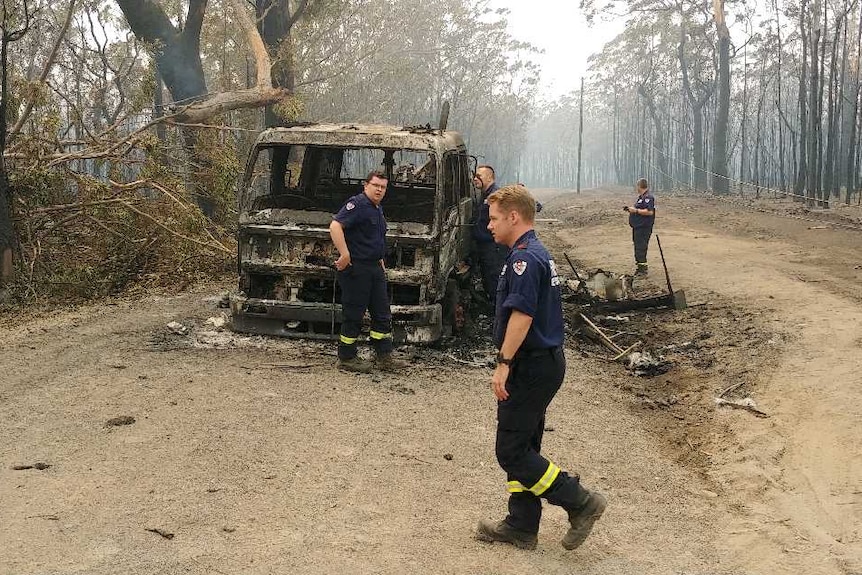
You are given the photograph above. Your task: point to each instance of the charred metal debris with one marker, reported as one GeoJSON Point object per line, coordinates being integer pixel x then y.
{"type": "Point", "coordinates": [595, 304]}
{"type": "Point", "coordinates": [297, 177]}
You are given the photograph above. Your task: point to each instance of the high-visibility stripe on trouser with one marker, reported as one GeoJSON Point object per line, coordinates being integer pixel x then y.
{"type": "Point", "coordinates": [379, 335]}
{"type": "Point", "coordinates": [547, 479]}
{"type": "Point", "coordinates": [515, 487]}
{"type": "Point", "coordinates": [348, 340]}
{"type": "Point", "coordinates": [541, 485]}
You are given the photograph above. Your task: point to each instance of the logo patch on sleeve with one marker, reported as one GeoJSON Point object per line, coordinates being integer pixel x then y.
{"type": "Point", "coordinates": [519, 267]}
{"type": "Point", "coordinates": [350, 205]}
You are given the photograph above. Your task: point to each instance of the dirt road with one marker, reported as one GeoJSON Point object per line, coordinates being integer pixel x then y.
{"type": "Point", "coordinates": [257, 456]}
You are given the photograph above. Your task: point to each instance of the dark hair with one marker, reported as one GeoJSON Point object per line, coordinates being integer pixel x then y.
{"type": "Point", "coordinates": [487, 167]}
{"type": "Point", "coordinates": [643, 184]}
{"type": "Point", "coordinates": [375, 174]}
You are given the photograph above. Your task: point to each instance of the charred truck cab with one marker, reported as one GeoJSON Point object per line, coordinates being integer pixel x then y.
{"type": "Point", "coordinates": [298, 177]}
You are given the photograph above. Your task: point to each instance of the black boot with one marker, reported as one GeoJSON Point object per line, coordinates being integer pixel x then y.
{"type": "Point", "coordinates": [504, 533]}
{"type": "Point", "coordinates": [582, 519]}
{"type": "Point", "coordinates": [583, 506]}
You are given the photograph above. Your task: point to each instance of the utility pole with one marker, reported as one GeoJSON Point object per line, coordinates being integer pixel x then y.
{"type": "Point", "coordinates": [581, 135]}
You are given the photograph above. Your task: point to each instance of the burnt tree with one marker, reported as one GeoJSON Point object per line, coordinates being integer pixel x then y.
{"type": "Point", "coordinates": [8, 33]}
{"type": "Point", "coordinates": [720, 182]}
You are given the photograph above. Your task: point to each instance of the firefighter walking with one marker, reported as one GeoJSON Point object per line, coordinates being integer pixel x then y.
{"type": "Point", "coordinates": [528, 332]}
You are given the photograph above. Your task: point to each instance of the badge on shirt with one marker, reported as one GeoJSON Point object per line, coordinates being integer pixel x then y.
{"type": "Point", "coordinates": [555, 279]}
{"type": "Point", "coordinates": [519, 267]}
{"type": "Point", "coordinates": [350, 205]}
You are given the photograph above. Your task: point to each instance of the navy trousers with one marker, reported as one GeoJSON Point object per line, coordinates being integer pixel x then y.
{"type": "Point", "coordinates": [364, 287]}
{"type": "Point", "coordinates": [640, 238]}
{"type": "Point", "coordinates": [533, 383]}
{"type": "Point", "coordinates": [490, 257]}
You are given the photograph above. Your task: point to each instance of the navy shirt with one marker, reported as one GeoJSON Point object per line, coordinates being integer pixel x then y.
{"type": "Point", "coordinates": [529, 283]}
{"type": "Point", "coordinates": [645, 201]}
{"type": "Point", "coordinates": [483, 217]}
{"type": "Point", "coordinates": [364, 228]}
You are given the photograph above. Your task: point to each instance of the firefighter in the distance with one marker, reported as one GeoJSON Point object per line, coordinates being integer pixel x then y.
{"type": "Point", "coordinates": [641, 220]}
{"type": "Point", "coordinates": [358, 231]}
{"type": "Point", "coordinates": [529, 331]}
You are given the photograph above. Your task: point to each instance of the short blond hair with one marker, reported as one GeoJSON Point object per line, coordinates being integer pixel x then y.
{"type": "Point", "coordinates": [517, 198]}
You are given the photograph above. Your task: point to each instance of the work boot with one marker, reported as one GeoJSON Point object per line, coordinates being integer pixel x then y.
{"type": "Point", "coordinates": [386, 362]}
{"type": "Point", "coordinates": [505, 533]}
{"type": "Point", "coordinates": [355, 364]}
{"type": "Point", "coordinates": [642, 270]}
{"type": "Point", "coordinates": [583, 518]}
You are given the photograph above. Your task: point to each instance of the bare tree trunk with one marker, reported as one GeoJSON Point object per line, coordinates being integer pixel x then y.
{"type": "Point", "coordinates": [659, 144]}
{"type": "Point", "coordinates": [781, 169]}
{"type": "Point", "coordinates": [851, 149]}
{"type": "Point", "coordinates": [764, 84]}
{"type": "Point", "coordinates": [833, 116]}
{"type": "Point", "coordinates": [697, 105]}
{"type": "Point", "coordinates": [7, 229]}
{"type": "Point", "coordinates": [812, 191]}
{"type": "Point", "coordinates": [802, 166]}
{"type": "Point", "coordinates": [159, 104]}
{"type": "Point", "coordinates": [720, 183]}
{"type": "Point", "coordinates": [580, 135]}
{"type": "Point", "coordinates": [275, 21]}
{"type": "Point", "coordinates": [743, 155]}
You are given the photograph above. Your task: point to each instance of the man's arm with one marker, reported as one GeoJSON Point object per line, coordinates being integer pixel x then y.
{"type": "Point", "coordinates": [516, 331]}
{"type": "Point", "coordinates": [336, 232]}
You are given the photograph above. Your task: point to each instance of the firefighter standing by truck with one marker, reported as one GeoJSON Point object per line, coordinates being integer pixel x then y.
{"type": "Point", "coordinates": [358, 232]}
{"type": "Point", "coordinates": [487, 254]}
{"type": "Point", "coordinates": [528, 332]}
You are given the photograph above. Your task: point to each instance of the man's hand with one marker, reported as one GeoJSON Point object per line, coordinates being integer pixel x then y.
{"type": "Point", "coordinates": [498, 382]}
{"type": "Point", "coordinates": [342, 262]}
{"type": "Point", "coordinates": [626, 208]}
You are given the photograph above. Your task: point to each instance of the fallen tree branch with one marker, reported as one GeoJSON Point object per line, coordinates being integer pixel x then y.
{"type": "Point", "coordinates": [77, 206]}
{"type": "Point", "coordinates": [605, 339]}
{"type": "Point", "coordinates": [628, 350]}
{"type": "Point", "coordinates": [741, 404]}
{"type": "Point", "coordinates": [177, 234]}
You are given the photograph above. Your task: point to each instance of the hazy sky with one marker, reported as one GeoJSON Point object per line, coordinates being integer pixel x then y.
{"type": "Point", "coordinates": [558, 27]}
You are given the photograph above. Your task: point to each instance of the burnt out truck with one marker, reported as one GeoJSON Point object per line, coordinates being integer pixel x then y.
{"type": "Point", "coordinates": [295, 180]}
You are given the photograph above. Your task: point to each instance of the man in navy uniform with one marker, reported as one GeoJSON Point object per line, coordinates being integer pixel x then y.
{"type": "Point", "coordinates": [358, 231]}
{"type": "Point", "coordinates": [528, 331]}
{"type": "Point", "coordinates": [641, 220]}
{"type": "Point", "coordinates": [488, 254]}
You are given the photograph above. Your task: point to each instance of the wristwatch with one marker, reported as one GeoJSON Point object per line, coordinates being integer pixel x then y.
{"type": "Point", "coordinates": [503, 360]}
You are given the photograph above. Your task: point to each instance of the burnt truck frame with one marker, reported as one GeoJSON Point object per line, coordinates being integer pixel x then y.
{"type": "Point", "coordinates": [296, 178]}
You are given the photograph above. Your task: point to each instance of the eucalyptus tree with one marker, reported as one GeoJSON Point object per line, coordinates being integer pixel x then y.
{"type": "Point", "coordinates": [378, 61]}
{"type": "Point", "coordinates": [696, 55]}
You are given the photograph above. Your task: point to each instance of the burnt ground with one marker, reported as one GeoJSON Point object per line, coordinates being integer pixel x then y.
{"type": "Point", "coordinates": [143, 450]}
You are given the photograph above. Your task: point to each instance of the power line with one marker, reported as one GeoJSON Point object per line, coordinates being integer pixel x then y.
{"type": "Point", "coordinates": [729, 199]}
{"type": "Point", "coordinates": [730, 179]}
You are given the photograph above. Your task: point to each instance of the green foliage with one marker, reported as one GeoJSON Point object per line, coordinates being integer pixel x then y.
{"type": "Point", "coordinates": [130, 219]}
{"type": "Point", "coordinates": [396, 62]}
{"type": "Point", "coordinates": [290, 109]}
